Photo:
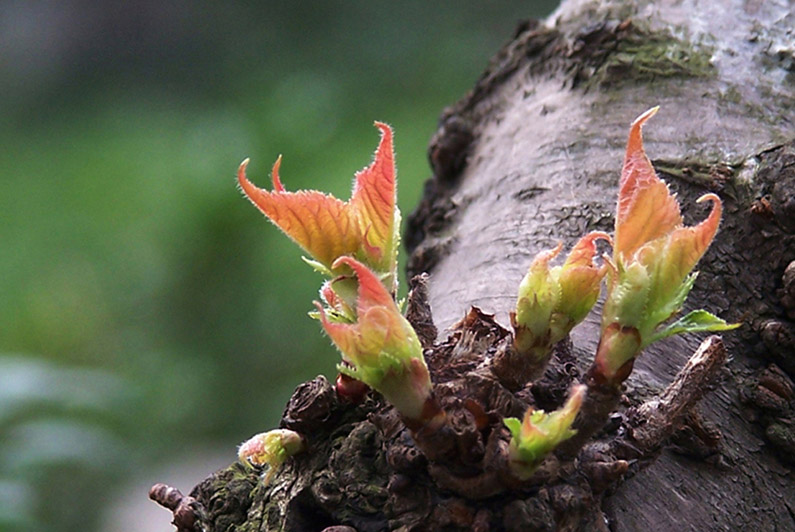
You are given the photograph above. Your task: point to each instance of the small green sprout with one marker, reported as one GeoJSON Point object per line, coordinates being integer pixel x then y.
{"type": "Point", "coordinates": [552, 301]}
{"type": "Point", "coordinates": [270, 449]}
{"type": "Point", "coordinates": [539, 433]}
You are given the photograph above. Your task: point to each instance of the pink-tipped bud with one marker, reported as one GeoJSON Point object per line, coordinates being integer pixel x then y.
{"type": "Point", "coordinates": [270, 449]}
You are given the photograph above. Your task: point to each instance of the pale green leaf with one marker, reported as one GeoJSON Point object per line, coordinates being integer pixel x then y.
{"type": "Point", "coordinates": [696, 321]}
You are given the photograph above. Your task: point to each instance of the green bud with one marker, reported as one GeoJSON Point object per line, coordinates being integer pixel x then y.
{"type": "Point", "coordinates": [540, 433]}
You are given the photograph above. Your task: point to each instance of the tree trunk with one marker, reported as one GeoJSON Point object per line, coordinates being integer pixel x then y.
{"type": "Point", "coordinates": [532, 156]}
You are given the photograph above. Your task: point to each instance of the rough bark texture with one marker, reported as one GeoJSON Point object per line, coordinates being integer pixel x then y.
{"type": "Point", "coordinates": [530, 157]}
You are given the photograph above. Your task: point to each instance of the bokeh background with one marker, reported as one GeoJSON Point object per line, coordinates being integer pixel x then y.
{"type": "Point", "coordinates": [150, 318]}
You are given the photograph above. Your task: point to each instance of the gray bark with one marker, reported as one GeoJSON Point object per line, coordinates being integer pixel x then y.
{"type": "Point", "coordinates": [533, 156]}
{"type": "Point", "coordinates": [530, 157]}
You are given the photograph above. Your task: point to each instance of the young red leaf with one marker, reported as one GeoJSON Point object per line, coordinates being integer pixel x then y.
{"type": "Point", "coordinates": [321, 224]}
{"type": "Point", "coordinates": [328, 228]}
{"type": "Point", "coordinates": [374, 198]}
{"type": "Point", "coordinates": [654, 255]}
{"type": "Point", "coordinates": [646, 208]}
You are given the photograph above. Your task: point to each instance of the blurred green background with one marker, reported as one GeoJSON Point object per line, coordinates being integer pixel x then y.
{"type": "Point", "coordinates": [149, 315]}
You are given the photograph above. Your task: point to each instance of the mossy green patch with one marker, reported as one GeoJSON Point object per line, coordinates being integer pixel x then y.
{"type": "Point", "coordinates": [644, 55]}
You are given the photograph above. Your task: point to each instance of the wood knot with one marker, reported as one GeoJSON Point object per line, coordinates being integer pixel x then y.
{"type": "Point", "coordinates": [312, 405]}
{"type": "Point", "coordinates": [778, 337]}
{"type": "Point", "coordinates": [604, 474]}
{"type": "Point", "coordinates": [774, 390]}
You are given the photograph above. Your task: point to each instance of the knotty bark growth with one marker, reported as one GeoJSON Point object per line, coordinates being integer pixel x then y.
{"type": "Point", "coordinates": [532, 156]}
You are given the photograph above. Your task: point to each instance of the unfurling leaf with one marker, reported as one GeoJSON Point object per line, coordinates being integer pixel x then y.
{"type": "Point", "coordinates": [366, 227]}
{"type": "Point", "coordinates": [653, 257]}
{"type": "Point", "coordinates": [380, 348]}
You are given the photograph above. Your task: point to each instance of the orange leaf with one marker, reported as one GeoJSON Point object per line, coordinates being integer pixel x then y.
{"type": "Point", "coordinates": [683, 248]}
{"type": "Point", "coordinates": [646, 208]}
{"type": "Point", "coordinates": [374, 197]}
{"type": "Point", "coordinates": [584, 250]}
{"type": "Point", "coordinates": [328, 228]}
{"type": "Point", "coordinates": [321, 224]}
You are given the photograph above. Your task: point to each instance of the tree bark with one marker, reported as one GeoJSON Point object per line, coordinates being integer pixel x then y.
{"type": "Point", "coordinates": [532, 156]}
